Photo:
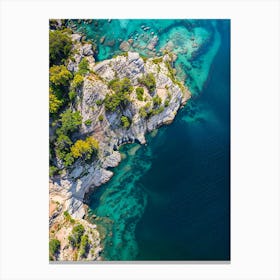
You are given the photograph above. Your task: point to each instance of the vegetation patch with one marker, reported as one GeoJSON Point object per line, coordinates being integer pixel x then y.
{"type": "Point", "coordinates": [68, 217]}
{"type": "Point", "coordinates": [84, 246]}
{"type": "Point", "coordinates": [149, 82]}
{"type": "Point", "coordinates": [125, 122]}
{"type": "Point", "coordinates": [139, 93]}
{"type": "Point", "coordinates": [171, 75]}
{"type": "Point", "coordinates": [120, 97]}
{"type": "Point", "coordinates": [88, 122]}
{"type": "Point", "coordinates": [60, 45]}
{"type": "Point", "coordinates": [157, 60]}
{"type": "Point", "coordinates": [77, 81]}
{"type": "Point", "coordinates": [166, 103]}
{"type": "Point", "coordinates": [76, 235]}
{"type": "Point", "coordinates": [53, 170]}
{"type": "Point", "coordinates": [54, 247]}
{"type": "Point", "coordinates": [99, 102]}
{"type": "Point", "coordinates": [59, 75]}
{"type": "Point", "coordinates": [83, 67]}
{"type": "Point", "coordinates": [157, 100]}
{"type": "Point", "coordinates": [85, 148]}
{"type": "Point", "coordinates": [54, 102]}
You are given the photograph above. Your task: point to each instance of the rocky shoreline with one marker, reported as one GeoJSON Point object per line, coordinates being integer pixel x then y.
{"type": "Point", "coordinates": [67, 191]}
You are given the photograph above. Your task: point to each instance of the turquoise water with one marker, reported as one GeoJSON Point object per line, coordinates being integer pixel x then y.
{"type": "Point", "coordinates": [169, 199]}
{"type": "Point", "coordinates": [195, 42]}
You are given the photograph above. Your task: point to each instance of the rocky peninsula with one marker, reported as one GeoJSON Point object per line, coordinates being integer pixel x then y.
{"type": "Point", "coordinates": [119, 100]}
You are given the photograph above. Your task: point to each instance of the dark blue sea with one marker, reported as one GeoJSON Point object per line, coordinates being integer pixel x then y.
{"type": "Point", "coordinates": [170, 199]}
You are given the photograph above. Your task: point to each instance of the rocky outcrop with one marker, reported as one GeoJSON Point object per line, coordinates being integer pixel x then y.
{"type": "Point", "coordinates": [61, 226]}
{"type": "Point", "coordinates": [74, 184]}
{"type": "Point", "coordinates": [124, 46]}
{"type": "Point", "coordinates": [81, 50]}
{"type": "Point", "coordinates": [109, 131]}
{"type": "Point", "coordinates": [152, 43]}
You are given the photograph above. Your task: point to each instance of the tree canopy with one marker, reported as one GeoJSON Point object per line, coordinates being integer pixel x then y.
{"type": "Point", "coordinates": [77, 81]}
{"type": "Point", "coordinates": [84, 148]}
{"type": "Point", "coordinates": [83, 67]}
{"type": "Point", "coordinates": [59, 75]}
{"type": "Point", "coordinates": [157, 100]}
{"type": "Point", "coordinates": [76, 235]}
{"type": "Point", "coordinates": [139, 93]}
{"type": "Point", "coordinates": [125, 121]}
{"type": "Point", "coordinates": [54, 246]}
{"type": "Point", "coordinates": [70, 121]}
{"type": "Point", "coordinates": [54, 103]}
{"type": "Point", "coordinates": [149, 81]}
{"type": "Point", "coordinates": [60, 45]}
{"type": "Point", "coordinates": [122, 89]}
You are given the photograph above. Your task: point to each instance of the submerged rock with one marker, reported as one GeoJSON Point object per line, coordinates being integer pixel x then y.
{"type": "Point", "coordinates": [102, 39]}
{"type": "Point", "coordinates": [110, 43]}
{"type": "Point", "coordinates": [152, 43]}
{"type": "Point", "coordinates": [124, 46]}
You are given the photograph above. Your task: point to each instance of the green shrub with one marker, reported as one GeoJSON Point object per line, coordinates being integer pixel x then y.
{"type": "Point", "coordinates": [60, 45]}
{"type": "Point", "coordinates": [101, 118]}
{"type": "Point", "coordinates": [70, 121]}
{"type": "Point", "coordinates": [88, 122]}
{"type": "Point", "coordinates": [172, 76]}
{"type": "Point", "coordinates": [68, 217]}
{"type": "Point", "coordinates": [143, 113]}
{"type": "Point", "coordinates": [68, 159]}
{"type": "Point", "coordinates": [59, 75]}
{"type": "Point", "coordinates": [99, 102]}
{"type": "Point", "coordinates": [85, 148]}
{"type": "Point", "coordinates": [54, 246]}
{"type": "Point", "coordinates": [121, 86]}
{"type": "Point", "coordinates": [58, 91]}
{"type": "Point", "coordinates": [160, 110]}
{"type": "Point", "coordinates": [77, 81]}
{"type": "Point", "coordinates": [83, 67]}
{"type": "Point", "coordinates": [120, 98]}
{"type": "Point", "coordinates": [157, 60]}
{"type": "Point", "coordinates": [139, 93]}
{"type": "Point", "coordinates": [53, 171]}
{"type": "Point", "coordinates": [125, 121]}
{"type": "Point", "coordinates": [62, 145]}
{"type": "Point", "coordinates": [144, 58]}
{"type": "Point", "coordinates": [157, 100]}
{"type": "Point", "coordinates": [84, 247]}
{"type": "Point", "coordinates": [76, 235]}
{"type": "Point", "coordinates": [149, 81]}
{"type": "Point", "coordinates": [166, 103]}
{"type": "Point", "coordinates": [112, 101]}
{"type": "Point", "coordinates": [148, 105]}
{"type": "Point", "coordinates": [72, 94]}
{"type": "Point", "coordinates": [157, 111]}
{"type": "Point", "coordinates": [63, 142]}
{"type": "Point", "coordinates": [54, 103]}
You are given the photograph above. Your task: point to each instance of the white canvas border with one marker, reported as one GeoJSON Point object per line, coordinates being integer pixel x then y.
{"type": "Point", "coordinates": [254, 142]}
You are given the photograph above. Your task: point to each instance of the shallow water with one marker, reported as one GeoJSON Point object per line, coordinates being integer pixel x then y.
{"type": "Point", "coordinates": [170, 199]}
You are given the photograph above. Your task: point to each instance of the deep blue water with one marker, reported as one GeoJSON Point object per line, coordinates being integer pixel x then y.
{"type": "Point", "coordinates": [170, 199]}
{"type": "Point", "coordinates": [191, 173]}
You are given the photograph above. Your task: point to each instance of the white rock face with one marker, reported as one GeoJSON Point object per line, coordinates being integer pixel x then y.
{"type": "Point", "coordinates": [82, 50]}
{"type": "Point", "coordinates": [109, 132]}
